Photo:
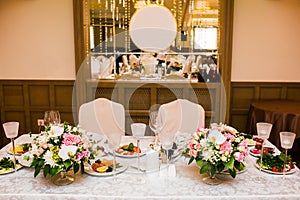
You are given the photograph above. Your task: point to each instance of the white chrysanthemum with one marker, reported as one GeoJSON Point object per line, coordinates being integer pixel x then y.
{"type": "Point", "coordinates": [48, 156]}
{"type": "Point", "coordinates": [65, 151]}
{"type": "Point", "coordinates": [216, 137]}
{"type": "Point", "coordinates": [207, 154]}
{"type": "Point", "coordinates": [56, 131]}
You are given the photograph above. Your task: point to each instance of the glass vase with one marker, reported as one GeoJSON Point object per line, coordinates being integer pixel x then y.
{"type": "Point", "coordinates": [63, 178]}
{"type": "Point", "coordinates": [211, 179]}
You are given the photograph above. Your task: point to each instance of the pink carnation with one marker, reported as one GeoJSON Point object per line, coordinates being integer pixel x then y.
{"type": "Point", "coordinates": [246, 149]}
{"type": "Point", "coordinates": [238, 156]}
{"type": "Point", "coordinates": [193, 153]}
{"type": "Point", "coordinates": [82, 155]}
{"type": "Point", "coordinates": [225, 147]}
{"type": "Point", "coordinates": [70, 139]}
{"type": "Point", "coordinates": [229, 136]}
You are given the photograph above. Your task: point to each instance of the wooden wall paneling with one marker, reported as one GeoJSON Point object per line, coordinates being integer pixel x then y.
{"type": "Point", "coordinates": [293, 93]}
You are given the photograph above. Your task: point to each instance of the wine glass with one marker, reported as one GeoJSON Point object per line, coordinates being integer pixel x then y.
{"type": "Point", "coordinates": [138, 131]}
{"type": "Point", "coordinates": [114, 140]}
{"type": "Point", "coordinates": [166, 141]}
{"type": "Point", "coordinates": [263, 131]}
{"type": "Point", "coordinates": [52, 117]}
{"type": "Point", "coordinates": [11, 130]}
{"type": "Point", "coordinates": [155, 125]}
{"type": "Point", "coordinates": [286, 141]}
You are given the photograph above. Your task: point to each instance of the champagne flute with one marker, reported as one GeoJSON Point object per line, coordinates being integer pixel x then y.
{"type": "Point", "coordinates": [138, 131]}
{"type": "Point", "coordinates": [11, 131]}
{"type": "Point", "coordinates": [155, 125]}
{"type": "Point", "coordinates": [286, 141]}
{"type": "Point", "coordinates": [263, 131]}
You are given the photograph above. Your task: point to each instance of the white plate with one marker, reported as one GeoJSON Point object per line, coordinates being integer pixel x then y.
{"type": "Point", "coordinates": [9, 170]}
{"type": "Point", "coordinates": [130, 156]}
{"type": "Point", "coordinates": [26, 163]}
{"type": "Point", "coordinates": [278, 173]}
{"type": "Point", "coordinates": [88, 169]}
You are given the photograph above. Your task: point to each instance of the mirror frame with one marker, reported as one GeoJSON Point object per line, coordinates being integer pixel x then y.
{"type": "Point", "coordinates": [225, 47]}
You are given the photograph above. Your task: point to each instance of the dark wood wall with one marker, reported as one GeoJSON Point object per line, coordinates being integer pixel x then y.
{"type": "Point", "coordinates": [26, 101]}
{"type": "Point", "coordinates": [243, 93]}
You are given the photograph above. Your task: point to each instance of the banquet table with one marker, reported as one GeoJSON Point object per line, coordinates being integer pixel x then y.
{"type": "Point", "coordinates": [187, 184]}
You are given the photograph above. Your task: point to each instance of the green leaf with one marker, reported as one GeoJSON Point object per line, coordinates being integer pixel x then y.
{"type": "Point", "coordinates": [46, 170]}
{"type": "Point", "coordinates": [54, 170]}
{"type": "Point", "coordinates": [82, 167]}
{"type": "Point", "coordinates": [230, 163]}
{"type": "Point", "coordinates": [37, 170]}
{"type": "Point", "coordinates": [76, 167]}
{"type": "Point", "coordinates": [67, 164]}
{"type": "Point", "coordinates": [212, 170]}
{"type": "Point", "coordinates": [204, 168]}
{"type": "Point", "coordinates": [199, 162]}
{"type": "Point", "coordinates": [232, 173]}
{"type": "Point", "coordinates": [191, 160]}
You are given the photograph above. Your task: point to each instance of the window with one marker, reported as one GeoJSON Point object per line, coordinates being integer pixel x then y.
{"type": "Point", "coordinates": [205, 38]}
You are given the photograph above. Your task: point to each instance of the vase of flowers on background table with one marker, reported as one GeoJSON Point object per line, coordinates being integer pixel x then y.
{"type": "Point", "coordinates": [216, 149]}
{"type": "Point", "coordinates": [60, 151]}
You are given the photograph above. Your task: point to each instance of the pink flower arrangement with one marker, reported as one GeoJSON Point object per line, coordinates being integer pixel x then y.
{"type": "Point", "coordinates": [217, 149]}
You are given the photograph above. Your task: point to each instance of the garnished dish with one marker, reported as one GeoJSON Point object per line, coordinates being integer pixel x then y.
{"type": "Point", "coordinates": [26, 159]}
{"type": "Point", "coordinates": [19, 148]}
{"type": "Point", "coordinates": [103, 167]}
{"type": "Point", "coordinates": [128, 150]}
{"type": "Point", "coordinates": [274, 164]}
{"type": "Point", "coordinates": [267, 150]}
{"type": "Point", "coordinates": [250, 142]}
{"type": "Point", "coordinates": [7, 165]}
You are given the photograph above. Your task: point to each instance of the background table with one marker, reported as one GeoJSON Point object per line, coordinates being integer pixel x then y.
{"type": "Point", "coordinates": [284, 115]}
{"type": "Point", "coordinates": [186, 185]}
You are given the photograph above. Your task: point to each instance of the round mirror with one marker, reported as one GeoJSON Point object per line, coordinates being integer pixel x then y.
{"type": "Point", "coordinates": [153, 28]}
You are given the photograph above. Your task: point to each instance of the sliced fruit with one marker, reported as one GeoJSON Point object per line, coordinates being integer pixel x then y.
{"type": "Point", "coordinates": [102, 169]}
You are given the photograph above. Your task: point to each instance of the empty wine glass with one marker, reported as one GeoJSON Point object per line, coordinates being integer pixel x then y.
{"type": "Point", "coordinates": [263, 131]}
{"type": "Point", "coordinates": [11, 130]}
{"type": "Point", "coordinates": [286, 141]}
{"type": "Point", "coordinates": [52, 117]}
{"type": "Point", "coordinates": [114, 140]}
{"type": "Point", "coordinates": [155, 125]}
{"type": "Point", "coordinates": [166, 141]}
{"type": "Point", "coordinates": [138, 131]}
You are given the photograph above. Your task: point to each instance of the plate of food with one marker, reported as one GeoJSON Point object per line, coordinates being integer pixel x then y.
{"type": "Point", "coordinates": [273, 164]}
{"type": "Point", "coordinates": [250, 142]}
{"type": "Point", "coordinates": [19, 148]}
{"type": "Point", "coordinates": [266, 150]}
{"type": "Point", "coordinates": [129, 151]}
{"type": "Point", "coordinates": [7, 164]}
{"type": "Point", "coordinates": [103, 167]}
{"type": "Point", "coordinates": [26, 159]}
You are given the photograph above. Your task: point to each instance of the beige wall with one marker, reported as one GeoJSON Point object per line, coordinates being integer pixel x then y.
{"type": "Point", "coordinates": [36, 39]}
{"type": "Point", "coordinates": [266, 41]}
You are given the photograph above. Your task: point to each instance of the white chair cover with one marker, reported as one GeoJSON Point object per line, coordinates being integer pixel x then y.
{"type": "Point", "coordinates": [181, 115]}
{"type": "Point", "coordinates": [104, 117]}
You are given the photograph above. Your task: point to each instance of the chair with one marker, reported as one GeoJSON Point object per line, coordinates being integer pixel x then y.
{"type": "Point", "coordinates": [181, 115]}
{"type": "Point", "coordinates": [104, 117]}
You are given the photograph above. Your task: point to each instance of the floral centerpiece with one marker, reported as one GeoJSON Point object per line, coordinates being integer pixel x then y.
{"type": "Point", "coordinates": [59, 148]}
{"type": "Point", "coordinates": [217, 149]}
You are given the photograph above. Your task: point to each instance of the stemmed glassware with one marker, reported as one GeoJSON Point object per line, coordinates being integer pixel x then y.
{"type": "Point", "coordinates": [286, 141]}
{"type": "Point", "coordinates": [167, 140]}
{"type": "Point", "coordinates": [52, 117]}
{"type": "Point", "coordinates": [138, 131]}
{"type": "Point", "coordinates": [263, 131]}
{"type": "Point", "coordinates": [155, 125]}
{"type": "Point", "coordinates": [114, 140]}
{"type": "Point", "coordinates": [11, 130]}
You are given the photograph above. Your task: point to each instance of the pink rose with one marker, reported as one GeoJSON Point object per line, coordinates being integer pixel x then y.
{"type": "Point", "coordinates": [225, 147]}
{"type": "Point", "coordinates": [70, 139]}
{"type": "Point", "coordinates": [193, 153]}
{"type": "Point", "coordinates": [238, 156]}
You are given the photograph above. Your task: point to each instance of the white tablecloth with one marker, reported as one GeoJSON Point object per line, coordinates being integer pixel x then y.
{"type": "Point", "coordinates": [186, 185]}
